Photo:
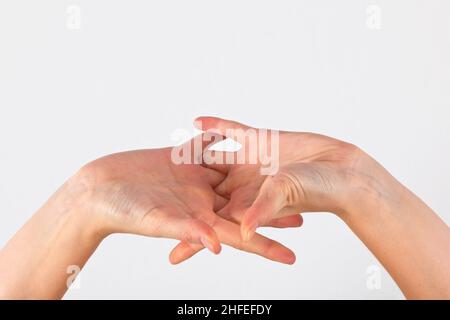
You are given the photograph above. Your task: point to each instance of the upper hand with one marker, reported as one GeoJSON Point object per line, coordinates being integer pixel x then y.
{"type": "Point", "coordinates": [315, 173]}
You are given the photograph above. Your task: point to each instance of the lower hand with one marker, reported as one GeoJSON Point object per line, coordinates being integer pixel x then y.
{"type": "Point", "coordinates": [144, 192]}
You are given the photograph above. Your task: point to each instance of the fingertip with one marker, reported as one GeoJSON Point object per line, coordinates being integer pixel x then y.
{"type": "Point", "coordinates": [216, 247]}
{"type": "Point", "coordinates": [287, 258]}
{"type": "Point", "coordinates": [200, 121]}
{"type": "Point", "coordinates": [282, 254]}
{"type": "Point", "coordinates": [180, 253]}
{"type": "Point", "coordinates": [218, 250]}
{"type": "Point", "coordinates": [290, 258]}
{"type": "Point", "coordinates": [296, 220]}
{"type": "Point", "coordinates": [300, 220]}
{"type": "Point", "coordinates": [212, 245]}
{"type": "Point", "coordinates": [173, 262]}
{"type": "Point", "coordinates": [183, 251]}
{"type": "Point", "coordinates": [173, 258]}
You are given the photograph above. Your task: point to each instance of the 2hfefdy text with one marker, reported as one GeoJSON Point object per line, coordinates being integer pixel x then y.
{"type": "Point", "coordinates": [225, 309]}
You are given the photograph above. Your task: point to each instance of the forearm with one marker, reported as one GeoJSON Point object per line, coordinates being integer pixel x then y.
{"type": "Point", "coordinates": [34, 263]}
{"type": "Point", "coordinates": [406, 236]}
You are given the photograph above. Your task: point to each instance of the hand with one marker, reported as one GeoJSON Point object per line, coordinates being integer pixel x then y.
{"type": "Point", "coordinates": [316, 173]}
{"type": "Point", "coordinates": [144, 192]}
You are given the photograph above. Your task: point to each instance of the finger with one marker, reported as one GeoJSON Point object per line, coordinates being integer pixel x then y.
{"type": "Point", "coordinates": [223, 188]}
{"type": "Point", "coordinates": [217, 160]}
{"type": "Point", "coordinates": [229, 234]}
{"type": "Point", "coordinates": [248, 179]}
{"type": "Point", "coordinates": [293, 221]}
{"type": "Point", "coordinates": [219, 202]}
{"type": "Point", "coordinates": [203, 234]}
{"type": "Point", "coordinates": [227, 128]}
{"type": "Point", "coordinates": [270, 200]}
{"type": "Point", "coordinates": [252, 143]}
{"type": "Point", "coordinates": [213, 177]}
{"type": "Point", "coordinates": [240, 200]}
{"type": "Point", "coordinates": [190, 230]}
{"type": "Point", "coordinates": [184, 251]}
{"type": "Point", "coordinates": [234, 213]}
{"type": "Point", "coordinates": [218, 125]}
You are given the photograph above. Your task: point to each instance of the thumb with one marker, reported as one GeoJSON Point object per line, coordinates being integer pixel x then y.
{"type": "Point", "coordinates": [270, 200]}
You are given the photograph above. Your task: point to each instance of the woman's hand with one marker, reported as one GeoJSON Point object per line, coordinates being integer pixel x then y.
{"type": "Point", "coordinates": [318, 173]}
{"type": "Point", "coordinates": [315, 173]}
{"type": "Point", "coordinates": [144, 192]}
{"type": "Point", "coordinates": [141, 192]}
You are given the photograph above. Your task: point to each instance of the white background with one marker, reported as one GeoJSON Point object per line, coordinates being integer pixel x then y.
{"type": "Point", "coordinates": [137, 70]}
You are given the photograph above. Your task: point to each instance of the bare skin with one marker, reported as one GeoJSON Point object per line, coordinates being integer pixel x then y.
{"type": "Point", "coordinates": [143, 192]}
{"type": "Point", "coordinates": [322, 174]}
{"type": "Point", "coordinates": [139, 192]}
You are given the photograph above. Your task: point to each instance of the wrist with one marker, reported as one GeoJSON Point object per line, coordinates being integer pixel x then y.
{"type": "Point", "coordinates": [372, 189]}
{"type": "Point", "coordinates": [74, 202]}
{"type": "Point", "coordinates": [61, 234]}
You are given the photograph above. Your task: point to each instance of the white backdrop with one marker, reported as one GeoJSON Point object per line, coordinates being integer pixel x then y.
{"type": "Point", "coordinates": [80, 79]}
